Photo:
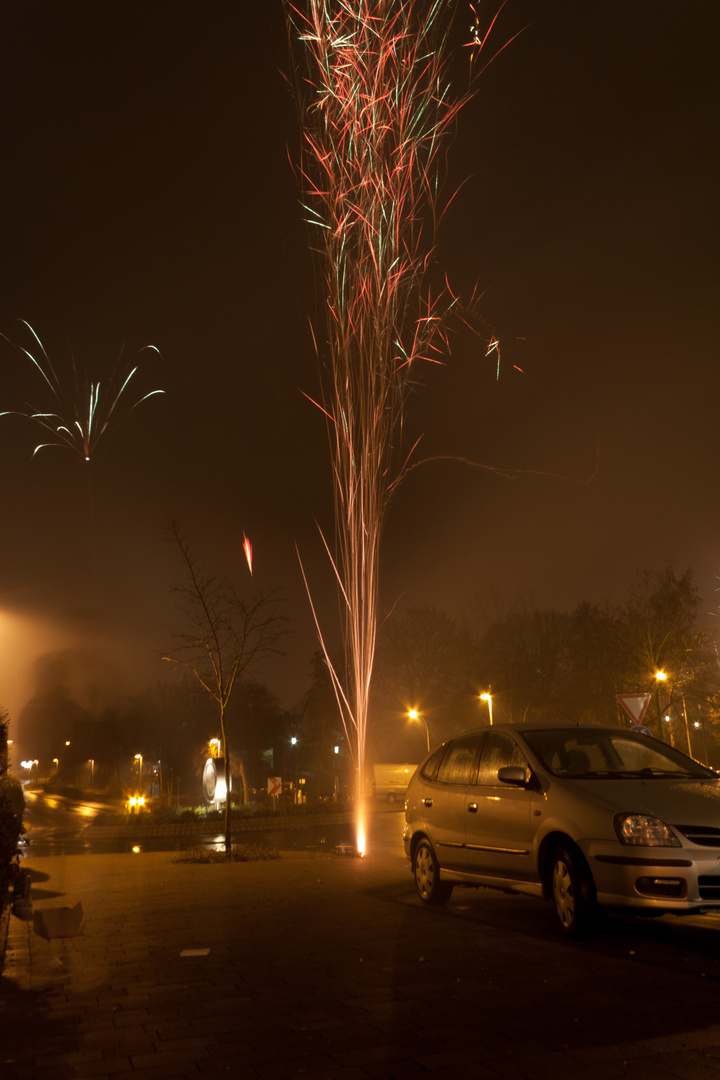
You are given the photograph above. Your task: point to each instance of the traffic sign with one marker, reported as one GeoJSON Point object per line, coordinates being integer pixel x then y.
{"type": "Point", "coordinates": [635, 705]}
{"type": "Point", "coordinates": [274, 785]}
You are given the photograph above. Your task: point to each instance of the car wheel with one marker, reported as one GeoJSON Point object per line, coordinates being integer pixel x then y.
{"type": "Point", "coordinates": [427, 876]}
{"type": "Point", "coordinates": [574, 895]}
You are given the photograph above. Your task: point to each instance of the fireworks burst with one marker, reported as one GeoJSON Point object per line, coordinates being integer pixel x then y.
{"type": "Point", "coordinates": [376, 110]}
{"type": "Point", "coordinates": [80, 410]}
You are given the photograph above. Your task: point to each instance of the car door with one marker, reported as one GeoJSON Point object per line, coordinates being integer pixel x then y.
{"type": "Point", "coordinates": [444, 801]}
{"type": "Point", "coordinates": [498, 816]}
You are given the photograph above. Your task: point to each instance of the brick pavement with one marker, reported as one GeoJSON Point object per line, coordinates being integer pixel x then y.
{"type": "Point", "coordinates": [319, 965]}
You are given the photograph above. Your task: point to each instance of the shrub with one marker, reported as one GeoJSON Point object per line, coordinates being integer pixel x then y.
{"type": "Point", "coordinates": [12, 807]}
{"type": "Point", "coordinates": [239, 853]}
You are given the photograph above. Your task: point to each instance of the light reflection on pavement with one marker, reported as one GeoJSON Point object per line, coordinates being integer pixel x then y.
{"type": "Point", "coordinates": [57, 825]}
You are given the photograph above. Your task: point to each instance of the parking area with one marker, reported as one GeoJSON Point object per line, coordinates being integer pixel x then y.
{"type": "Point", "coordinates": [325, 965]}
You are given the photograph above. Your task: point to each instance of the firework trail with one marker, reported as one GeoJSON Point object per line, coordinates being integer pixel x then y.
{"type": "Point", "coordinates": [247, 548]}
{"type": "Point", "coordinates": [376, 111]}
{"type": "Point", "coordinates": [79, 411]}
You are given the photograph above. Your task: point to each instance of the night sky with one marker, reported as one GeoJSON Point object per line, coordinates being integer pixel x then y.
{"type": "Point", "coordinates": [148, 198]}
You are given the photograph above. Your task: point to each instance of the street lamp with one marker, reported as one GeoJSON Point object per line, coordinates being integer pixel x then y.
{"type": "Point", "coordinates": [138, 758]}
{"type": "Point", "coordinates": [415, 715]}
{"type": "Point", "coordinates": [488, 698]}
{"type": "Point", "coordinates": [660, 677]}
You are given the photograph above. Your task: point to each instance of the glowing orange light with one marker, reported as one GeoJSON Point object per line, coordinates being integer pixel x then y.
{"type": "Point", "coordinates": [361, 838]}
{"type": "Point", "coordinates": [247, 548]}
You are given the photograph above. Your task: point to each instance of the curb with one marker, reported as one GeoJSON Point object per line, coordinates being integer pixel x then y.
{"type": "Point", "coordinates": [4, 928]}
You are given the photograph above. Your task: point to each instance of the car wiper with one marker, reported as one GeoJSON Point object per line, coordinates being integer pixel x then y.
{"type": "Point", "coordinates": [650, 773]}
{"type": "Point", "coordinates": [668, 772]}
{"type": "Point", "coordinates": [594, 774]}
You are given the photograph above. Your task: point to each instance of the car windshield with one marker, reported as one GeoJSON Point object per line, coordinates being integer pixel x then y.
{"type": "Point", "coordinates": [584, 753]}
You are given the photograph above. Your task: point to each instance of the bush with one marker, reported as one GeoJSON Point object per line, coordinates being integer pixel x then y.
{"type": "Point", "coordinates": [239, 853]}
{"type": "Point", "coordinates": [12, 807]}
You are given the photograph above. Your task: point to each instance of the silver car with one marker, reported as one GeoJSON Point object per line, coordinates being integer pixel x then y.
{"type": "Point", "coordinates": [594, 817]}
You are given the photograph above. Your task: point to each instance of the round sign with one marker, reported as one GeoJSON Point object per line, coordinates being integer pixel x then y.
{"type": "Point", "coordinates": [213, 782]}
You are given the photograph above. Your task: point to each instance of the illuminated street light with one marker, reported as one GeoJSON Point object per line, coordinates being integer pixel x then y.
{"type": "Point", "coordinates": [138, 758]}
{"type": "Point", "coordinates": [661, 676]}
{"type": "Point", "coordinates": [415, 715]}
{"type": "Point", "coordinates": [488, 698]}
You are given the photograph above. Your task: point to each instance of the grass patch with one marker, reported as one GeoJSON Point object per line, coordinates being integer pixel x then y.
{"type": "Point", "coordinates": [239, 853]}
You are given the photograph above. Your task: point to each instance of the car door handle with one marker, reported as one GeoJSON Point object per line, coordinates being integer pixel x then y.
{"type": "Point", "coordinates": [472, 808]}
{"type": "Point", "coordinates": [427, 802]}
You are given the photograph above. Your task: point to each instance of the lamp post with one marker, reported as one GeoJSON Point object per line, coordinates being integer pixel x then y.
{"type": "Point", "coordinates": [138, 758]}
{"type": "Point", "coordinates": [660, 677]}
{"type": "Point", "coordinates": [488, 698]}
{"type": "Point", "coordinates": [294, 742]}
{"type": "Point", "coordinates": [415, 715]}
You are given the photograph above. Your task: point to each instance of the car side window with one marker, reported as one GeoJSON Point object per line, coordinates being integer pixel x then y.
{"type": "Point", "coordinates": [458, 765]}
{"type": "Point", "coordinates": [430, 768]}
{"type": "Point", "coordinates": [498, 751]}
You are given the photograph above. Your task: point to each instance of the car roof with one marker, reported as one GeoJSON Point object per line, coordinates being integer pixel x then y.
{"type": "Point", "coordinates": [542, 725]}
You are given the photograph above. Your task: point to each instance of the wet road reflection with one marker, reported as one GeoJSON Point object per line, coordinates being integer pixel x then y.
{"type": "Point", "coordinates": [57, 825]}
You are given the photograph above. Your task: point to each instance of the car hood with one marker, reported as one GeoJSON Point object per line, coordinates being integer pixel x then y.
{"type": "Point", "coordinates": [681, 802]}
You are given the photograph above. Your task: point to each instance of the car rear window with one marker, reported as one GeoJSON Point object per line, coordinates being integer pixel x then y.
{"type": "Point", "coordinates": [458, 764]}
{"type": "Point", "coordinates": [430, 768]}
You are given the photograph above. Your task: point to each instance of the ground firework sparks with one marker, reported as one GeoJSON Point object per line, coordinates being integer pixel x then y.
{"type": "Point", "coordinates": [79, 409]}
{"type": "Point", "coordinates": [376, 109]}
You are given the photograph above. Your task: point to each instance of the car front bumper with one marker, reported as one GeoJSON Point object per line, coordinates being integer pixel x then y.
{"type": "Point", "coordinates": [681, 880]}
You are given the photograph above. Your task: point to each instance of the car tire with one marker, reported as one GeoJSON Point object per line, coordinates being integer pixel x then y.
{"type": "Point", "coordinates": [431, 889]}
{"type": "Point", "coordinates": [573, 893]}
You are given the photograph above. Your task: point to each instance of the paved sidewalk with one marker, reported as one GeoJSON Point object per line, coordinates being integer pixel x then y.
{"type": "Point", "coordinates": [319, 965]}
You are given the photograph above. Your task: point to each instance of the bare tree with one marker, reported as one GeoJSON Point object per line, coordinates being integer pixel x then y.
{"type": "Point", "coordinates": [667, 649]}
{"type": "Point", "coordinates": [226, 637]}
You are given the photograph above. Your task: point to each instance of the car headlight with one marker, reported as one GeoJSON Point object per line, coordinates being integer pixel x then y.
{"type": "Point", "coordinates": [645, 830]}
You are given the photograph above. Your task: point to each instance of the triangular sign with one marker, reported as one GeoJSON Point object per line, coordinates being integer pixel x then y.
{"type": "Point", "coordinates": [635, 705]}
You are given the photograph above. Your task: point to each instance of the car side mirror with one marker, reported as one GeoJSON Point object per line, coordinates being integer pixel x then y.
{"type": "Point", "coordinates": [512, 774]}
